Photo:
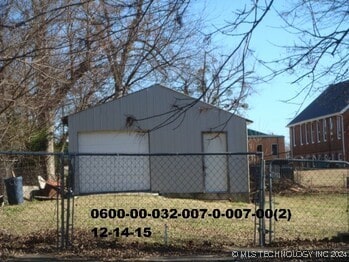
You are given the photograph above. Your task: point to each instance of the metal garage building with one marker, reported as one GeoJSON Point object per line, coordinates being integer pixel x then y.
{"type": "Point", "coordinates": [153, 121]}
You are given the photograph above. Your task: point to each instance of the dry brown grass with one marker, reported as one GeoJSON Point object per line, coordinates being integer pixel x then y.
{"type": "Point", "coordinates": [313, 217]}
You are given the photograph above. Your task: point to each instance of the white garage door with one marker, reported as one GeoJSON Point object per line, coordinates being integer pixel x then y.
{"type": "Point", "coordinates": [98, 174]}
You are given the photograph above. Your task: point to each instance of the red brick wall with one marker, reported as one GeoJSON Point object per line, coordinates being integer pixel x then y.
{"type": "Point", "coordinates": [346, 134]}
{"type": "Point", "coordinates": [267, 142]}
{"type": "Point", "coordinates": [312, 143]}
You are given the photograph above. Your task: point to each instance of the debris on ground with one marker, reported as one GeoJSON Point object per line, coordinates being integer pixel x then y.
{"type": "Point", "coordinates": [45, 242]}
{"type": "Point", "coordinates": [48, 189]}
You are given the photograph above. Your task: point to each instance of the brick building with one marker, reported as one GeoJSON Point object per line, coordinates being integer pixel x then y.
{"type": "Point", "coordinates": [321, 131]}
{"type": "Point", "coordinates": [273, 146]}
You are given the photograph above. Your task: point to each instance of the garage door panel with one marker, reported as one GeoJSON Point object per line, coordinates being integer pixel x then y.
{"type": "Point", "coordinates": [113, 173]}
{"type": "Point", "coordinates": [113, 142]}
{"type": "Point", "coordinates": [99, 174]}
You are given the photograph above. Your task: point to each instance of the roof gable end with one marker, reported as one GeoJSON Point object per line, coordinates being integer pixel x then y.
{"type": "Point", "coordinates": [332, 101]}
{"type": "Point", "coordinates": [183, 100]}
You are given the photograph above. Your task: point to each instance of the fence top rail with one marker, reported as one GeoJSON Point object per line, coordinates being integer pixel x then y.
{"type": "Point", "coordinates": [170, 154]}
{"type": "Point", "coordinates": [41, 153]}
{"type": "Point", "coordinates": [289, 161]}
{"type": "Point", "coordinates": [30, 153]}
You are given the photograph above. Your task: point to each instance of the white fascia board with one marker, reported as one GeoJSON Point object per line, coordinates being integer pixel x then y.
{"type": "Point", "coordinates": [315, 119]}
{"type": "Point", "coordinates": [344, 109]}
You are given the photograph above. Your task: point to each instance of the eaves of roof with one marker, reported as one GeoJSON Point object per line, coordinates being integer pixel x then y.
{"type": "Point", "coordinates": [333, 101]}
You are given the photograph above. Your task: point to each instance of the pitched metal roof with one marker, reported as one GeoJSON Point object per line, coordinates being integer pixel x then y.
{"type": "Point", "coordinates": [254, 133]}
{"type": "Point", "coordinates": [186, 99]}
{"type": "Point", "coordinates": [332, 101]}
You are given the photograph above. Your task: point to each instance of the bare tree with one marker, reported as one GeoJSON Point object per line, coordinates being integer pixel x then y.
{"type": "Point", "coordinates": [225, 77]}
{"type": "Point", "coordinates": [84, 53]}
{"type": "Point", "coordinates": [319, 55]}
{"type": "Point", "coordinates": [143, 45]}
{"type": "Point", "coordinates": [35, 45]}
{"type": "Point", "coordinates": [76, 54]}
{"type": "Point", "coordinates": [216, 82]}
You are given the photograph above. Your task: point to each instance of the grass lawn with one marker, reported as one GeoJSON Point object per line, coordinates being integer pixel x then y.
{"type": "Point", "coordinates": [29, 217]}
{"type": "Point", "coordinates": [178, 229]}
{"type": "Point", "coordinates": [313, 217]}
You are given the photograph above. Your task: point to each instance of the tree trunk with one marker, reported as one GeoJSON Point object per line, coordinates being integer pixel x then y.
{"type": "Point", "coordinates": [50, 162]}
{"type": "Point", "coordinates": [46, 122]}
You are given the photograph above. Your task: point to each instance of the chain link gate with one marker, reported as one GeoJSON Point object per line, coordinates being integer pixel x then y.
{"type": "Point", "coordinates": [168, 206]}
{"type": "Point", "coordinates": [312, 194]}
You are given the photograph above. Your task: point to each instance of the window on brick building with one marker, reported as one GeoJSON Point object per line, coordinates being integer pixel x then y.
{"type": "Point", "coordinates": [339, 128]}
{"type": "Point", "coordinates": [306, 129]}
{"type": "Point", "coordinates": [274, 149]}
{"type": "Point", "coordinates": [331, 128]}
{"type": "Point", "coordinates": [318, 131]}
{"type": "Point", "coordinates": [259, 148]}
{"type": "Point", "coordinates": [312, 132]}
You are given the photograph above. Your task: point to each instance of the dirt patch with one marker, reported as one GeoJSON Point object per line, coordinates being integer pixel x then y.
{"type": "Point", "coordinates": [288, 187]}
{"type": "Point", "coordinates": [85, 246]}
{"type": "Point", "coordinates": [308, 244]}
{"type": "Point", "coordinates": [284, 186]}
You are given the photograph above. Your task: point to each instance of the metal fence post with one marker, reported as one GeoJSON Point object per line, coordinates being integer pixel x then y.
{"type": "Point", "coordinates": [261, 229]}
{"type": "Point", "coordinates": [270, 230]}
{"type": "Point", "coordinates": [59, 232]}
{"type": "Point", "coordinates": [61, 174]}
{"type": "Point", "coordinates": [69, 205]}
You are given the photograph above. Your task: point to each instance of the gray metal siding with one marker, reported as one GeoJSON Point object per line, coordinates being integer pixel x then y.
{"type": "Point", "coordinates": [238, 174]}
{"type": "Point", "coordinates": [184, 135]}
{"type": "Point", "coordinates": [176, 174]}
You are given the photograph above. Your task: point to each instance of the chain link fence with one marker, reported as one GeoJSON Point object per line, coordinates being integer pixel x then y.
{"type": "Point", "coordinates": [311, 195]}
{"type": "Point", "coordinates": [30, 199]}
{"type": "Point", "coordinates": [165, 198]}
{"type": "Point", "coordinates": [171, 200]}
